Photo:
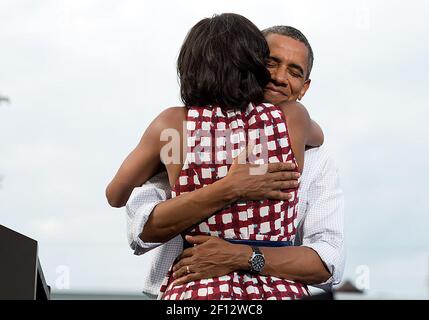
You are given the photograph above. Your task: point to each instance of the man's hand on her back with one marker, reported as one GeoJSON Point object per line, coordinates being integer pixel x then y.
{"type": "Point", "coordinates": [247, 186]}
{"type": "Point", "coordinates": [210, 257]}
{"type": "Point", "coordinates": [258, 182]}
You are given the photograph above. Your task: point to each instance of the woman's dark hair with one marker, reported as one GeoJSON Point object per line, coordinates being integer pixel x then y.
{"type": "Point", "coordinates": [222, 62]}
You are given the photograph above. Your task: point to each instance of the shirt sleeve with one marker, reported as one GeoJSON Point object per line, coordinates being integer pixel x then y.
{"type": "Point", "coordinates": [141, 204]}
{"type": "Point", "coordinates": [322, 228]}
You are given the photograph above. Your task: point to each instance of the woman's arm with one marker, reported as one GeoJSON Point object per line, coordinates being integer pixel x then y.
{"type": "Point", "coordinates": [316, 137]}
{"type": "Point", "coordinates": [302, 130]}
{"type": "Point", "coordinates": [142, 163]}
{"type": "Point", "coordinates": [173, 216]}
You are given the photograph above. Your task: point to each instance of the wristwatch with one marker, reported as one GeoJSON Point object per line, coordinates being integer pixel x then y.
{"type": "Point", "coordinates": [257, 260]}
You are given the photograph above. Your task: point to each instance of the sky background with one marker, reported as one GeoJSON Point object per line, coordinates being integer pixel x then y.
{"type": "Point", "coordinates": [85, 79]}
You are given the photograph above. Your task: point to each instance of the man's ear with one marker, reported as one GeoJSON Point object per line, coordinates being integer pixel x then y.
{"type": "Point", "coordinates": [304, 89]}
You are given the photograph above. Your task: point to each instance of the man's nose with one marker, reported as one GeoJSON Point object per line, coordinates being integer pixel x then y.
{"type": "Point", "coordinates": [280, 78]}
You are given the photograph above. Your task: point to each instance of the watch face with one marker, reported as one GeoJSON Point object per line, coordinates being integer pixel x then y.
{"type": "Point", "coordinates": [258, 262]}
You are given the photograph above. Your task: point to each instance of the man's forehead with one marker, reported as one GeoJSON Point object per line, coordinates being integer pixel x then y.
{"type": "Point", "coordinates": [286, 45]}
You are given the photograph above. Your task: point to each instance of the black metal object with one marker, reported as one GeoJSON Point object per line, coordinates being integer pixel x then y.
{"type": "Point", "coordinates": [21, 276]}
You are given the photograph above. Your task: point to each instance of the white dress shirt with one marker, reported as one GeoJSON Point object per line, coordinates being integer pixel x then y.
{"type": "Point", "coordinates": [320, 220]}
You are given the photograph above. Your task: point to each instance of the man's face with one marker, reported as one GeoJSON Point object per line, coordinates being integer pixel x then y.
{"type": "Point", "coordinates": [288, 66]}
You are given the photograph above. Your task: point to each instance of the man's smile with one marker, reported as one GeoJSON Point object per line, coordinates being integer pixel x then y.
{"type": "Point", "coordinates": [273, 89]}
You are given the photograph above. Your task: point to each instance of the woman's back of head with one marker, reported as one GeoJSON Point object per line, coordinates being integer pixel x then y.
{"type": "Point", "coordinates": [222, 62]}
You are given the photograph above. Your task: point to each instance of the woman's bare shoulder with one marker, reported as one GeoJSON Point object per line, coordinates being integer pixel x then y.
{"type": "Point", "coordinates": [295, 111]}
{"type": "Point", "coordinates": [292, 107]}
{"type": "Point", "coordinates": [171, 117]}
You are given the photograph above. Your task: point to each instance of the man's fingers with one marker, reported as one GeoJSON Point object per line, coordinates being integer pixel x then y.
{"type": "Point", "coordinates": [278, 195]}
{"type": "Point", "coordinates": [186, 253]}
{"type": "Point", "coordinates": [188, 278]}
{"type": "Point", "coordinates": [281, 166]}
{"type": "Point", "coordinates": [281, 185]}
{"type": "Point", "coordinates": [285, 175]}
{"type": "Point", "coordinates": [197, 239]}
{"type": "Point", "coordinates": [181, 264]}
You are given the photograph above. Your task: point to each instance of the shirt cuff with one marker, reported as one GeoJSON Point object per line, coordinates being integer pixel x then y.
{"type": "Point", "coordinates": [136, 223]}
{"type": "Point", "coordinates": [328, 256]}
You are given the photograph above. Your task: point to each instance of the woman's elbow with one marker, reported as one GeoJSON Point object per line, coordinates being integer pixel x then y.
{"type": "Point", "coordinates": [112, 199]}
{"type": "Point", "coordinates": [322, 137]}
{"type": "Point", "coordinates": [316, 136]}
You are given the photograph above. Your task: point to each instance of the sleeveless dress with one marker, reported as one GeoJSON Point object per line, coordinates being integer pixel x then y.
{"type": "Point", "coordinates": [214, 137]}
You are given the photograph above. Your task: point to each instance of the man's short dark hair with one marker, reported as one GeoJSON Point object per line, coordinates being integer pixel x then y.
{"type": "Point", "coordinates": [293, 33]}
{"type": "Point", "coordinates": [223, 62]}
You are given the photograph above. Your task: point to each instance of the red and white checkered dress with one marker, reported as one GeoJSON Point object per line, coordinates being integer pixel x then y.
{"type": "Point", "coordinates": [214, 138]}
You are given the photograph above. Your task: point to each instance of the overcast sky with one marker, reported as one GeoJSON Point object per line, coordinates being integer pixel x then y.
{"type": "Point", "coordinates": [85, 79]}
